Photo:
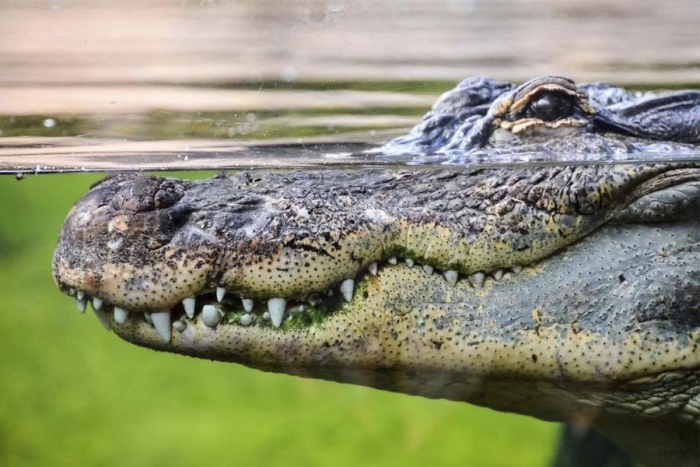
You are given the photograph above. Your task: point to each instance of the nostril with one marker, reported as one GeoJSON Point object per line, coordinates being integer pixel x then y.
{"type": "Point", "coordinates": [179, 213]}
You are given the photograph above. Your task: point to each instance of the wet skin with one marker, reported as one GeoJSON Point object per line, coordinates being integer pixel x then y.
{"type": "Point", "coordinates": [559, 292]}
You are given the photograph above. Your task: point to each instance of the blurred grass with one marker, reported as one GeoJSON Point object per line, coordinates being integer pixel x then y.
{"type": "Point", "coordinates": [74, 394]}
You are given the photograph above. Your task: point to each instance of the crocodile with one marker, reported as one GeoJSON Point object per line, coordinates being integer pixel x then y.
{"type": "Point", "coordinates": [564, 292]}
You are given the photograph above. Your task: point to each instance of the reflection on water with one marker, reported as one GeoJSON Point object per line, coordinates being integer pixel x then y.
{"type": "Point", "coordinates": [193, 84]}
{"type": "Point", "coordinates": [207, 42]}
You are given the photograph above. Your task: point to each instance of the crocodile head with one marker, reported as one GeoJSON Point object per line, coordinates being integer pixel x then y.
{"type": "Point", "coordinates": [563, 292]}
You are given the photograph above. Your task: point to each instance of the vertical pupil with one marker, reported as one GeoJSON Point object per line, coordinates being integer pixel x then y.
{"type": "Point", "coordinates": [552, 106]}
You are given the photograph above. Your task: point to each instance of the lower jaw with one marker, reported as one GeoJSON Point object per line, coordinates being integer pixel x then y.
{"type": "Point", "coordinates": [345, 337]}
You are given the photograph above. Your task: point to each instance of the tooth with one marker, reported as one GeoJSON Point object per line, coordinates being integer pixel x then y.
{"type": "Point", "coordinates": [211, 316]}
{"type": "Point", "coordinates": [189, 304]}
{"type": "Point", "coordinates": [314, 301]}
{"type": "Point", "coordinates": [248, 304]}
{"type": "Point", "coordinates": [451, 276]}
{"type": "Point", "coordinates": [498, 274]}
{"type": "Point", "coordinates": [180, 325]}
{"type": "Point", "coordinates": [517, 268]}
{"type": "Point", "coordinates": [410, 262]}
{"type": "Point", "coordinates": [220, 292]}
{"type": "Point", "coordinates": [392, 260]}
{"type": "Point", "coordinates": [147, 317]}
{"type": "Point", "coordinates": [330, 292]}
{"type": "Point", "coordinates": [477, 279]}
{"type": "Point", "coordinates": [96, 303]}
{"type": "Point", "coordinates": [276, 308]}
{"type": "Point", "coordinates": [373, 268]}
{"type": "Point", "coordinates": [120, 315]}
{"type": "Point", "coordinates": [428, 269]}
{"type": "Point", "coordinates": [82, 303]}
{"type": "Point", "coordinates": [246, 319]}
{"type": "Point", "coordinates": [80, 295]}
{"type": "Point", "coordinates": [161, 321]}
{"type": "Point", "coordinates": [71, 292]}
{"type": "Point", "coordinates": [347, 288]}
{"type": "Point", "coordinates": [103, 319]}
{"type": "Point", "coordinates": [266, 316]}
{"type": "Point", "coordinates": [301, 309]}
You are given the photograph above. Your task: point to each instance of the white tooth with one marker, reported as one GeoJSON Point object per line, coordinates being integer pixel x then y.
{"type": "Point", "coordinates": [347, 288]}
{"type": "Point", "coordinates": [161, 321]}
{"type": "Point", "coordinates": [451, 276]}
{"type": "Point", "coordinates": [247, 304]}
{"type": "Point", "coordinates": [301, 309]}
{"type": "Point", "coordinates": [477, 279]}
{"type": "Point", "coordinates": [211, 316]}
{"type": "Point", "coordinates": [276, 308]}
{"type": "Point", "coordinates": [266, 316]}
{"type": "Point", "coordinates": [180, 325]}
{"type": "Point", "coordinates": [103, 319]}
{"type": "Point", "coordinates": [71, 292]}
{"type": "Point", "coordinates": [330, 292]}
{"type": "Point", "coordinates": [220, 292]}
{"type": "Point", "coordinates": [80, 295]}
{"type": "Point", "coordinates": [314, 301]}
{"type": "Point", "coordinates": [498, 274]}
{"type": "Point", "coordinates": [120, 315]}
{"type": "Point", "coordinates": [96, 303]}
{"type": "Point", "coordinates": [246, 319]}
{"type": "Point", "coordinates": [428, 269]}
{"type": "Point", "coordinates": [189, 304]}
{"type": "Point", "coordinates": [82, 303]}
{"type": "Point", "coordinates": [517, 268]}
{"type": "Point", "coordinates": [373, 269]}
{"type": "Point", "coordinates": [147, 317]}
{"type": "Point", "coordinates": [392, 260]}
{"type": "Point", "coordinates": [410, 262]}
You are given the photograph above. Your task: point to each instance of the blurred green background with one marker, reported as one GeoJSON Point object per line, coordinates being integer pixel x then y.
{"type": "Point", "coordinates": [73, 394]}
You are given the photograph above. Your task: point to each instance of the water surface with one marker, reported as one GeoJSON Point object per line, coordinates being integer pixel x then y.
{"type": "Point", "coordinates": [163, 85]}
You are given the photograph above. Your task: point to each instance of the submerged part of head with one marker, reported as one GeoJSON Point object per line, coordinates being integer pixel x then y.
{"type": "Point", "coordinates": [607, 326]}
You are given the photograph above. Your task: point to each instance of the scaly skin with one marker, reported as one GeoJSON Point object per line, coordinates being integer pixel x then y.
{"type": "Point", "coordinates": [578, 290]}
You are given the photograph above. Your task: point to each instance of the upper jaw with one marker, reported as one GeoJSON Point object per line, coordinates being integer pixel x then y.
{"type": "Point", "coordinates": [132, 256]}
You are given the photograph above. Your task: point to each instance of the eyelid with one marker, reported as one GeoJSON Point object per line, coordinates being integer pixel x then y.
{"type": "Point", "coordinates": [525, 124]}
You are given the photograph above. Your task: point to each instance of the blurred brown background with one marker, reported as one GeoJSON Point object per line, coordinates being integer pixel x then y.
{"type": "Point", "coordinates": [116, 56]}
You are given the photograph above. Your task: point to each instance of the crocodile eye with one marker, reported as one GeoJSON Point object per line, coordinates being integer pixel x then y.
{"type": "Point", "coordinates": [551, 106]}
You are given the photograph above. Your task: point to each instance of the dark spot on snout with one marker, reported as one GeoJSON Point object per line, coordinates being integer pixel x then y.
{"type": "Point", "coordinates": [521, 244]}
